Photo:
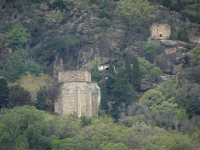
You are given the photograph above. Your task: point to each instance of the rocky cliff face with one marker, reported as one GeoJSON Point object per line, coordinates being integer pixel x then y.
{"type": "Point", "coordinates": [103, 46]}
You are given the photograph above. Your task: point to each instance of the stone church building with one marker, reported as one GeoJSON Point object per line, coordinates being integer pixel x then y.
{"type": "Point", "coordinates": [77, 94]}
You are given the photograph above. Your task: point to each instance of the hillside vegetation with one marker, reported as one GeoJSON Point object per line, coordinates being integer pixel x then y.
{"type": "Point", "coordinates": [150, 95]}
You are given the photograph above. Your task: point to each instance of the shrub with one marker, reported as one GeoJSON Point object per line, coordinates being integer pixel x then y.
{"type": "Point", "coordinates": [19, 97]}
{"type": "Point", "coordinates": [103, 23]}
{"type": "Point", "coordinates": [17, 36]}
{"type": "Point", "coordinates": [97, 30]}
{"type": "Point", "coordinates": [103, 14]}
{"type": "Point", "coordinates": [4, 93]}
{"type": "Point", "coordinates": [155, 72]}
{"type": "Point", "coordinates": [58, 4]}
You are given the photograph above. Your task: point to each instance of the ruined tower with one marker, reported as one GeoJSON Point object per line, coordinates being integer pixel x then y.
{"type": "Point", "coordinates": [77, 94]}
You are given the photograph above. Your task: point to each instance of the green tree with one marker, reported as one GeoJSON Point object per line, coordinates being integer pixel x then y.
{"type": "Point", "coordinates": [19, 97]}
{"type": "Point", "coordinates": [135, 12]}
{"type": "Point", "coordinates": [61, 45]}
{"type": "Point", "coordinates": [17, 64]}
{"type": "Point", "coordinates": [17, 36]}
{"type": "Point", "coordinates": [58, 4]}
{"type": "Point", "coordinates": [136, 75]}
{"type": "Point", "coordinates": [122, 94]}
{"type": "Point", "coordinates": [104, 102]}
{"type": "Point", "coordinates": [156, 72]}
{"type": "Point", "coordinates": [54, 17]}
{"type": "Point", "coordinates": [4, 93]}
{"type": "Point", "coordinates": [41, 99]}
{"type": "Point", "coordinates": [150, 50]}
{"type": "Point", "coordinates": [195, 56]}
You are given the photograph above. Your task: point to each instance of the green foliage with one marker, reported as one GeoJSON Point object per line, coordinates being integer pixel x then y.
{"type": "Point", "coordinates": [17, 65]}
{"type": "Point", "coordinates": [103, 23]}
{"type": "Point", "coordinates": [135, 74]}
{"type": "Point", "coordinates": [122, 94]}
{"type": "Point", "coordinates": [191, 17]}
{"type": "Point", "coordinates": [41, 99]}
{"type": "Point", "coordinates": [61, 45]}
{"type": "Point", "coordinates": [181, 115]}
{"type": "Point", "coordinates": [167, 141]}
{"type": "Point", "coordinates": [135, 12]}
{"type": "Point", "coordinates": [150, 50]}
{"type": "Point", "coordinates": [19, 97]}
{"type": "Point", "coordinates": [35, 129]}
{"type": "Point", "coordinates": [17, 36]}
{"type": "Point", "coordinates": [68, 143]}
{"type": "Point", "coordinates": [95, 64]}
{"type": "Point", "coordinates": [103, 14]}
{"type": "Point", "coordinates": [54, 17]}
{"type": "Point", "coordinates": [104, 101]}
{"type": "Point", "coordinates": [195, 56]}
{"type": "Point", "coordinates": [97, 30]}
{"type": "Point", "coordinates": [182, 34]}
{"type": "Point", "coordinates": [58, 4]}
{"type": "Point", "coordinates": [114, 146]}
{"type": "Point", "coordinates": [147, 68]}
{"type": "Point", "coordinates": [4, 93]}
{"type": "Point", "coordinates": [96, 76]}
{"type": "Point", "coordinates": [155, 72]}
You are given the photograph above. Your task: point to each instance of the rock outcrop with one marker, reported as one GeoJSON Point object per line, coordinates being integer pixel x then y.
{"type": "Point", "coordinates": [103, 46]}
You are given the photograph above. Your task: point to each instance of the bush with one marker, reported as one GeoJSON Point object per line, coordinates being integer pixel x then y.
{"type": "Point", "coordinates": [19, 97]}
{"type": "Point", "coordinates": [17, 36]}
{"type": "Point", "coordinates": [97, 30]}
{"type": "Point", "coordinates": [155, 72]}
{"type": "Point", "coordinates": [103, 14]}
{"type": "Point", "coordinates": [103, 23]}
{"type": "Point", "coordinates": [58, 4]}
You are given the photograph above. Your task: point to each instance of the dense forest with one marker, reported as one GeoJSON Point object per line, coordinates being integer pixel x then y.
{"type": "Point", "coordinates": [150, 92]}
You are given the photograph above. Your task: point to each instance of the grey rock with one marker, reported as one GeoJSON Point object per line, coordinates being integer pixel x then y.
{"type": "Point", "coordinates": [169, 43]}
{"type": "Point", "coordinates": [44, 7]}
{"type": "Point", "coordinates": [147, 83]}
{"type": "Point", "coordinates": [167, 62]}
{"type": "Point", "coordinates": [162, 79]}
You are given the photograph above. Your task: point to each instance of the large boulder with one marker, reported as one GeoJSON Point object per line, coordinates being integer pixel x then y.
{"type": "Point", "coordinates": [171, 63]}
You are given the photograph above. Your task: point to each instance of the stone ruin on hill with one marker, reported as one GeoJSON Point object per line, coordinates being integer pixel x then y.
{"type": "Point", "coordinates": [160, 31]}
{"type": "Point", "coordinates": [77, 94]}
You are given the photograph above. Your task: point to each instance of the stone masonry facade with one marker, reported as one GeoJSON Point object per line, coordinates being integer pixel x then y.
{"type": "Point", "coordinates": [77, 94]}
{"type": "Point", "coordinates": [160, 31]}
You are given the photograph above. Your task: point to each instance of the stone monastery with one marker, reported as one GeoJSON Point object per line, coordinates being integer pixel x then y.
{"type": "Point", "coordinates": [77, 94]}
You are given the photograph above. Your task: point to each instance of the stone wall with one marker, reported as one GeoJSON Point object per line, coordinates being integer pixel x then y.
{"type": "Point", "coordinates": [74, 76]}
{"type": "Point", "coordinates": [80, 97]}
{"type": "Point", "coordinates": [160, 31]}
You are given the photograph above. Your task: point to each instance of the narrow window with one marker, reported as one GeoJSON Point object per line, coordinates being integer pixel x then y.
{"type": "Point", "coordinates": [160, 35]}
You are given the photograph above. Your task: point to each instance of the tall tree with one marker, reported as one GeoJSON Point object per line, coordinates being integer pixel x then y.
{"type": "Point", "coordinates": [122, 94]}
{"type": "Point", "coordinates": [4, 93]}
{"type": "Point", "coordinates": [136, 75]}
{"type": "Point", "coordinates": [104, 102]}
{"type": "Point", "coordinates": [41, 99]}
